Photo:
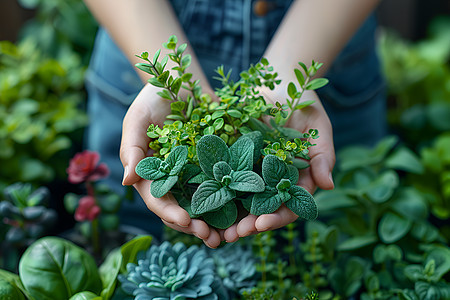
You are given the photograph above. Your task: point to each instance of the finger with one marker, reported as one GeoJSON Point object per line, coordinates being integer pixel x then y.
{"type": "Point", "coordinates": [278, 219]}
{"type": "Point", "coordinates": [166, 207]}
{"type": "Point", "coordinates": [322, 161]}
{"type": "Point", "coordinates": [213, 241]}
{"type": "Point", "coordinates": [230, 234]}
{"type": "Point", "coordinates": [246, 226]}
{"type": "Point", "coordinates": [197, 227]}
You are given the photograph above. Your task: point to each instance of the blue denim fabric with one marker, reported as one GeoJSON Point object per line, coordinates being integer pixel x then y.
{"type": "Point", "coordinates": [235, 37]}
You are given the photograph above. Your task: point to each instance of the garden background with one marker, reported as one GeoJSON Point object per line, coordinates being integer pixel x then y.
{"type": "Point", "coordinates": [382, 233]}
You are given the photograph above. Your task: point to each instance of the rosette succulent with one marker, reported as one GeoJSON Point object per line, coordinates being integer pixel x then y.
{"type": "Point", "coordinates": [172, 272]}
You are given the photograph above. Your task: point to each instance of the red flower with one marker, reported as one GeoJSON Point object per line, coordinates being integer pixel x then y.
{"type": "Point", "coordinates": [84, 167]}
{"type": "Point", "coordinates": [87, 209]}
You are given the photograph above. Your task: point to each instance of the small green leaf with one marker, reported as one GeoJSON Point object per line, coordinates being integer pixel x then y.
{"type": "Point", "coordinates": [222, 218]}
{"type": "Point", "coordinates": [265, 203]}
{"type": "Point", "coordinates": [405, 160]}
{"type": "Point", "coordinates": [155, 82]}
{"type": "Point", "coordinates": [304, 104]}
{"type": "Point", "coordinates": [131, 249]}
{"type": "Point", "coordinates": [181, 49]}
{"type": "Point", "coordinates": [292, 90]}
{"type": "Point", "coordinates": [234, 113]}
{"type": "Point", "coordinates": [156, 56]}
{"type": "Point", "coordinates": [393, 227]}
{"type": "Point", "coordinates": [210, 196]}
{"type": "Point", "coordinates": [357, 242]}
{"type": "Point", "coordinates": [160, 187]}
{"type": "Point", "coordinates": [218, 124]}
{"type": "Point", "coordinates": [302, 203]}
{"type": "Point", "coordinates": [210, 150]}
{"type": "Point", "coordinates": [209, 130]}
{"type": "Point", "coordinates": [221, 169]}
{"type": "Point", "coordinates": [186, 61]}
{"type": "Point", "coordinates": [217, 114]}
{"type": "Point", "coordinates": [241, 153]}
{"type": "Point", "coordinates": [165, 94]}
{"type": "Point", "coordinates": [177, 106]}
{"type": "Point", "coordinates": [292, 174]}
{"type": "Point", "coordinates": [316, 83]}
{"type": "Point", "coordinates": [246, 181]}
{"type": "Point", "coordinates": [273, 170]}
{"type": "Point", "coordinates": [148, 168]}
{"type": "Point", "coordinates": [300, 77]}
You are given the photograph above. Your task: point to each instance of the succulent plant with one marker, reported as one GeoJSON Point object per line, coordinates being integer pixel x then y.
{"type": "Point", "coordinates": [25, 212]}
{"type": "Point", "coordinates": [172, 272]}
{"type": "Point", "coordinates": [236, 266]}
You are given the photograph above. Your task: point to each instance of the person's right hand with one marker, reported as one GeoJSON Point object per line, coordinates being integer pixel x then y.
{"type": "Point", "coordinates": [149, 108]}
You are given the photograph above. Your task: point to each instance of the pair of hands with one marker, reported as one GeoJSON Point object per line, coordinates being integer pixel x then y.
{"type": "Point", "coordinates": [149, 108]}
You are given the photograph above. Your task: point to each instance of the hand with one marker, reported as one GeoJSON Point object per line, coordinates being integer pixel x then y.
{"type": "Point", "coordinates": [317, 175]}
{"type": "Point", "coordinates": [149, 108]}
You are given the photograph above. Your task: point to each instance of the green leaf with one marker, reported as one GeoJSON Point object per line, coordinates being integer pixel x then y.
{"type": "Point", "coordinates": [246, 181]}
{"type": "Point", "coordinates": [221, 169]}
{"type": "Point", "coordinates": [53, 268]}
{"type": "Point", "coordinates": [148, 168]}
{"type": "Point", "coordinates": [241, 153]}
{"type": "Point", "coordinates": [266, 202]}
{"type": "Point", "coordinates": [177, 106]}
{"type": "Point", "coordinates": [383, 187]}
{"type": "Point", "coordinates": [393, 227]}
{"type": "Point", "coordinates": [441, 256]}
{"type": "Point", "coordinates": [304, 104]}
{"type": "Point", "coordinates": [156, 56]}
{"type": "Point", "coordinates": [155, 82]}
{"type": "Point", "coordinates": [302, 203]}
{"type": "Point", "coordinates": [316, 83]}
{"type": "Point", "coordinates": [165, 94]}
{"type": "Point", "coordinates": [160, 187]}
{"type": "Point", "coordinates": [410, 203]}
{"type": "Point", "coordinates": [181, 48]}
{"type": "Point", "coordinates": [405, 160]}
{"type": "Point", "coordinates": [209, 130]}
{"type": "Point", "coordinates": [176, 85]}
{"type": "Point", "coordinates": [292, 174]}
{"type": "Point", "coordinates": [222, 218]}
{"type": "Point", "coordinates": [292, 90]}
{"type": "Point", "coordinates": [131, 249]}
{"type": "Point", "coordinates": [71, 202]}
{"type": "Point", "coordinates": [258, 143]}
{"type": "Point", "coordinates": [186, 61]}
{"type": "Point", "coordinates": [234, 113]}
{"type": "Point", "coordinates": [210, 150]}
{"type": "Point", "coordinates": [177, 159]}
{"type": "Point", "coordinates": [217, 114]}
{"type": "Point", "coordinates": [210, 196]}
{"type": "Point", "coordinates": [429, 291]}
{"type": "Point", "coordinates": [218, 124]}
{"type": "Point", "coordinates": [273, 170]}
{"type": "Point", "coordinates": [109, 270]}
{"type": "Point", "coordinates": [10, 286]}
{"type": "Point", "coordinates": [199, 178]}
{"type": "Point", "coordinates": [300, 77]}
{"type": "Point", "coordinates": [86, 296]}
{"type": "Point", "coordinates": [357, 242]}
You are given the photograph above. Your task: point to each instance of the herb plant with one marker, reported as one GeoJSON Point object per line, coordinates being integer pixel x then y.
{"type": "Point", "coordinates": [217, 157]}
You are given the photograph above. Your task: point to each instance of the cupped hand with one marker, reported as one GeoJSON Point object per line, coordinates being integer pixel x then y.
{"type": "Point", "coordinates": [149, 108]}
{"type": "Point", "coordinates": [318, 175]}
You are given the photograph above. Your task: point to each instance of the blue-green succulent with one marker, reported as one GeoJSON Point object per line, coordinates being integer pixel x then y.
{"type": "Point", "coordinates": [172, 272]}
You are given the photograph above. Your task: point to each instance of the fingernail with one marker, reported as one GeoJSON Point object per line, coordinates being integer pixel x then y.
{"type": "Point", "coordinates": [208, 245]}
{"type": "Point", "coordinates": [125, 174]}
{"type": "Point", "coordinates": [331, 178]}
{"type": "Point", "coordinates": [183, 226]}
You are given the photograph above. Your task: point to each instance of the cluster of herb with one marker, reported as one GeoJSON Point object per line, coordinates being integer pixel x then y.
{"type": "Point", "coordinates": [219, 156]}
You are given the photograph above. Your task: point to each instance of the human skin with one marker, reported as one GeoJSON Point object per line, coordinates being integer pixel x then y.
{"type": "Point", "coordinates": [311, 30]}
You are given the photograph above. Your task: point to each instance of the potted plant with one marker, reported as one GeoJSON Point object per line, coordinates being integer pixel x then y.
{"type": "Point", "coordinates": [220, 157]}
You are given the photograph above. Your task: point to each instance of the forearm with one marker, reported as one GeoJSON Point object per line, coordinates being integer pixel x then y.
{"type": "Point", "coordinates": [141, 25]}
{"type": "Point", "coordinates": [315, 30]}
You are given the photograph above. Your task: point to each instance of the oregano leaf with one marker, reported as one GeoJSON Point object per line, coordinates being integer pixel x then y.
{"type": "Point", "coordinates": [222, 218]}
{"type": "Point", "coordinates": [265, 203]}
{"type": "Point", "coordinates": [241, 153]}
{"type": "Point", "coordinates": [148, 168]}
{"type": "Point", "coordinates": [292, 174]}
{"type": "Point", "coordinates": [210, 150]}
{"type": "Point", "coordinates": [316, 83]}
{"type": "Point", "coordinates": [160, 187]}
{"type": "Point", "coordinates": [258, 143]}
{"type": "Point", "coordinates": [210, 196]}
{"type": "Point", "coordinates": [273, 170]}
{"type": "Point", "coordinates": [246, 181]}
{"type": "Point", "coordinates": [302, 203]}
{"type": "Point", "coordinates": [221, 169]}
{"type": "Point", "coordinates": [177, 159]}
{"type": "Point", "coordinates": [199, 178]}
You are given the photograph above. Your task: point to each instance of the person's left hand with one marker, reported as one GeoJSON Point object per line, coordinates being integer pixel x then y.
{"type": "Point", "coordinates": [318, 175]}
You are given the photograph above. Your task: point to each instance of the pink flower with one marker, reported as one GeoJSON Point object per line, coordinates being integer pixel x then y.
{"type": "Point", "coordinates": [87, 209]}
{"type": "Point", "coordinates": [84, 167]}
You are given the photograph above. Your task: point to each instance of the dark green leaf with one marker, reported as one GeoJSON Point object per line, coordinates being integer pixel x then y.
{"type": "Point", "coordinates": [210, 150]}
{"type": "Point", "coordinates": [357, 242]}
{"type": "Point", "coordinates": [241, 153]}
{"type": "Point", "coordinates": [109, 270]}
{"type": "Point", "coordinates": [160, 187]}
{"type": "Point", "coordinates": [266, 202]}
{"type": "Point", "coordinates": [383, 187]}
{"type": "Point", "coordinates": [176, 85]}
{"type": "Point", "coordinates": [258, 143]}
{"type": "Point", "coordinates": [246, 181]}
{"type": "Point", "coordinates": [131, 249]}
{"type": "Point", "coordinates": [10, 286]}
{"type": "Point", "coordinates": [222, 218]}
{"type": "Point", "coordinates": [393, 227]}
{"type": "Point", "coordinates": [177, 159]}
{"type": "Point", "coordinates": [210, 196]}
{"type": "Point", "coordinates": [221, 169]}
{"type": "Point", "coordinates": [273, 170]}
{"type": "Point", "coordinates": [292, 174]}
{"type": "Point", "coordinates": [405, 160]}
{"type": "Point", "coordinates": [302, 203]}
{"type": "Point", "coordinates": [148, 168]}
{"type": "Point", "coordinates": [85, 296]}
{"type": "Point", "coordinates": [53, 268]}
{"type": "Point", "coordinates": [165, 94]}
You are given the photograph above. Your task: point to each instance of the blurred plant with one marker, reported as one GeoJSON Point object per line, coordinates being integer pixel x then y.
{"type": "Point", "coordinates": [418, 76]}
{"type": "Point", "coordinates": [96, 211]}
{"type": "Point", "coordinates": [40, 112]}
{"type": "Point", "coordinates": [61, 27]}
{"type": "Point", "coordinates": [172, 272]}
{"type": "Point", "coordinates": [26, 217]}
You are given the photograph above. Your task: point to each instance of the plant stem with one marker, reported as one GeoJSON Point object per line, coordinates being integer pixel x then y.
{"type": "Point", "coordinates": [95, 236]}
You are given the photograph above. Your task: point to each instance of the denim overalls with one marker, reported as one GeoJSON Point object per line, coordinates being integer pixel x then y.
{"type": "Point", "coordinates": [229, 33]}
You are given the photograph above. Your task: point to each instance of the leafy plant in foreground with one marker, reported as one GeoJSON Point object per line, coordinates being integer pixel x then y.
{"type": "Point", "coordinates": [210, 154]}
